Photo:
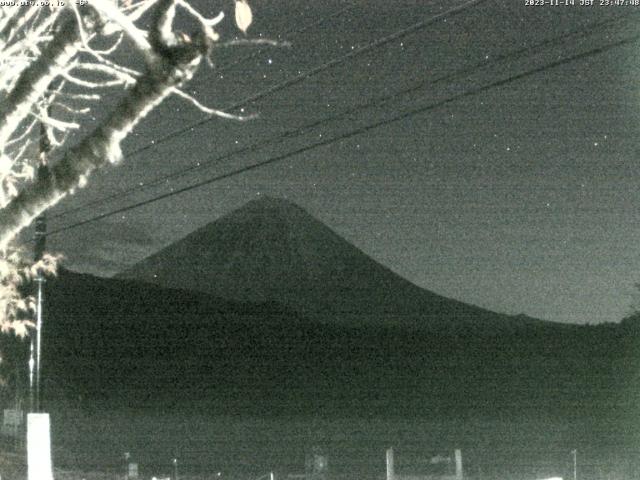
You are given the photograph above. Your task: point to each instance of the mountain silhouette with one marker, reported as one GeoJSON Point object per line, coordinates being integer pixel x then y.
{"type": "Point", "coordinates": [268, 310]}
{"type": "Point", "coordinates": [272, 250]}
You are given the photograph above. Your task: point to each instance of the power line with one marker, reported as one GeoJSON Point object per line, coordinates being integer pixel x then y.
{"type": "Point", "coordinates": [223, 68]}
{"type": "Point", "coordinates": [303, 76]}
{"type": "Point", "coordinates": [316, 70]}
{"type": "Point", "coordinates": [358, 131]}
{"type": "Point", "coordinates": [584, 30]}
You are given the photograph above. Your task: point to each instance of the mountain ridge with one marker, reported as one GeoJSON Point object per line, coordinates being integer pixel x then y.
{"type": "Point", "coordinates": [132, 343]}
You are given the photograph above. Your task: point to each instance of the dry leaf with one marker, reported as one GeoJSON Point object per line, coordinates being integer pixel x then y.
{"type": "Point", "coordinates": [243, 15]}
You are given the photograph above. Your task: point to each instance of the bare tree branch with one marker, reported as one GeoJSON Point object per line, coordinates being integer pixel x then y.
{"type": "Point", "coordinates": [35, 80]}
{"type": "Point", "coordinates": [48, 60]}
{"type": "Point", "coordinates": [174, 65]}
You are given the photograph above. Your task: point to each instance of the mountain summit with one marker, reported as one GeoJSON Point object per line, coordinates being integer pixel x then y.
{"type": "Point", "coordinates": [271, 250]}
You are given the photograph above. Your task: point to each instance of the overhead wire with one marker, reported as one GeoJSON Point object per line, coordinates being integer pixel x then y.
{"type": "Point", "coordinates": [316, 70]}
{"type": "Point", "coordinates": [358, 131]}
{"type": "Point", "coordinates": [223, 68]}
{"type": "Point", "coordinates": [296, 79]}
{"type": "Point", "coordinates": [584, 30]}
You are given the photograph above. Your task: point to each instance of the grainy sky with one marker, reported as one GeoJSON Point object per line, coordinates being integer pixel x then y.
{"type": "Point", "coordinates": [519, 198]}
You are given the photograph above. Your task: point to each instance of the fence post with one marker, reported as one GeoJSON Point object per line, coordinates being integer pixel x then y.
{"type": "Point", "coordinates": [125, 472]}
{"type": "Point", "coordinates": [458, 454]}
{"type": "Point", "coordinates": [390, 470]}
{"type": "Point", "coordinates": [175, 469]}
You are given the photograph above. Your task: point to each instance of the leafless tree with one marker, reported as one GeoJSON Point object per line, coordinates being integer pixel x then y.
{"type": "Point", "coordinates": [57, 58]}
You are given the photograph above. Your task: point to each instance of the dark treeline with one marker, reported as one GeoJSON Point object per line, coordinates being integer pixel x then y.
{"type": "Point", "coordinates": [133, 343]}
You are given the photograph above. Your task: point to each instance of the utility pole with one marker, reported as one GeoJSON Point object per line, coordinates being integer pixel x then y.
{"type": "Point", "coordinates": [574, 452]}
{"type": "Point", "coordinates": [35, 360]}
{"type": "Point", "coordinates": [39, 465]}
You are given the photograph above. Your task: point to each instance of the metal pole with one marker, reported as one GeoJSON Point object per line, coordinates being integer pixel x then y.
{"type": "Point", "coordinates": [458, 456]}
{"type": "Point", "coordinates": [36, 341]}
{"type": "Point", "coordinates": [574, 452]}
{"type": "Point", "coordinates": [35, 360]}
{"type": "Point", "coordinates": [32, 364]}
{"type": "Point", "coordinates": [39, 305]}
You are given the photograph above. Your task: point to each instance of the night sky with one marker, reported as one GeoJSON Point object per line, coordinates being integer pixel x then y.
{"type": "Point", "coordinates": [521, 198]}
